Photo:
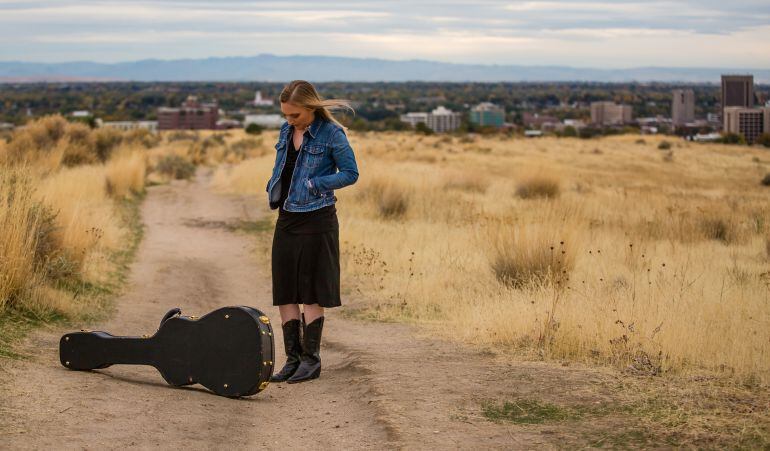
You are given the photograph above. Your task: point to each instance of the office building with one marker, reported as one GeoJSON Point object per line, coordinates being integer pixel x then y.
{"type": "Point", "coordinates": [737, 91]}
{"type": "Point", "coordinates": [682, 106]}
{"type": "Point", "coordinates": [749, 122]}
{"type": "Point", "coordinates": [192, 115]}
{"type": "Point", "coordinates": [610, 113]}
{"type": "Point", "coordinates": [487, 114]}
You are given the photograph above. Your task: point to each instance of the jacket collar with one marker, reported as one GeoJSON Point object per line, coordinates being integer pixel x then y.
{"type": "Point", "coordinates": [314, 127]}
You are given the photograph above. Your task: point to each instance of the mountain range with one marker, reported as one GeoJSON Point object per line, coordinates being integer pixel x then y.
{"type": "Point", "coordinates": [267, 67]}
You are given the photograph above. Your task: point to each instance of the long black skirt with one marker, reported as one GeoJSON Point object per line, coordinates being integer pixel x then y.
{"type": "Point", "coordinates": [306, 268]}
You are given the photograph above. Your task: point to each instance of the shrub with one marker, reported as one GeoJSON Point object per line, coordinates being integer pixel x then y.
{"type": "Point", "coordinates": [181, 135]}
{"type": "Point", "coordinates": [39, 136]}
{"type": "Point", "coordinates": [764, 139]}
{"type": "Point", "coordinates": [126, 174]}
{"type": "Point", "coordinates": [254, 129]}
{"type": "Point", "coordinates": [422, 128]}
{"type": "Point", "coordinates": [176, 167]}
{"type": "Point", "coordinates": [732, 138]}
{"type": "Point", "coordinates": [716, 227]}
{"type": "Point", "coordinates": [28, 229]}
{"type": "Point", "coordinates": [143, 137]}
{"type": "Point", "coordinates": [105, 140]}
{"type": "Point", "coordinates": [390, 198]}
{"type": "Point", "coordinates": [664, 145]}
{"type": "Point", "coordinates": [76, 154]}
{"type": "Point", "coordinates": [766, 180]}
{"type": "Point", "coordinates": [538, 186]}
{"type": "Point", "coordinates": [522, 256]}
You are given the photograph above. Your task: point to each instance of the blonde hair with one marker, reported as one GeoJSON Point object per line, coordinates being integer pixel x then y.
{"type": "Point", "coordinates": [304, 94]}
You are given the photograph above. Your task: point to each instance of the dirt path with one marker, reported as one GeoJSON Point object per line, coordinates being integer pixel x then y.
{"type": "Point", "coordinates": [383, 385]}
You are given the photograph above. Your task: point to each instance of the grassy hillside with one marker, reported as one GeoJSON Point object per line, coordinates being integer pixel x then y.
{"type": "Point", "coordinates": [624, 251]}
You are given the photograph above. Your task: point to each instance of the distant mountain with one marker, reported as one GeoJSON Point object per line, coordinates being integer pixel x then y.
{"type": "Point", "coordinates": [267, 67]}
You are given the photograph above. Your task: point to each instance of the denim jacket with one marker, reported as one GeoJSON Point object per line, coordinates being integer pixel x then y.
{"type": "Point", "coordinates": [325, 149]}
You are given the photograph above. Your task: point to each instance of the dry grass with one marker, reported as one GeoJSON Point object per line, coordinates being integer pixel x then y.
{"type": "Point", "coordinates": [20, 222]}
{"type": "Point", "coordinates": [538, 186]}
{"type": "Point", "coordinates": [666, 266]}
{"type": "Point", "coordinates": [523, 255]}
{"type": "Point", "coordinates": [125, 173]}
{"type": "Point", "coordinates": [59, 214]}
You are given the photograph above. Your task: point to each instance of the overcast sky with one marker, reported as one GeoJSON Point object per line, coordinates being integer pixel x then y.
{"type": "Point", "coordinates": [686, 33]}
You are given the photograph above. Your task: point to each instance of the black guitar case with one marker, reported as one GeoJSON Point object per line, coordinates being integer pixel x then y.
{"type": "Point", "coordinates": [229, 351]}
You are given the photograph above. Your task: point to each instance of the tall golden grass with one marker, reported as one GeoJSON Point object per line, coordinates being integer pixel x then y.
{"type": "Point", "coordinates": [664, 264]}
{"type": "Point", "coordinates": [60, 219]}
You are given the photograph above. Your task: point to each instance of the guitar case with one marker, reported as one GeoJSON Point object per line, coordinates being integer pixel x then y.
{"type": "Point", "coordinates": [229, 351]}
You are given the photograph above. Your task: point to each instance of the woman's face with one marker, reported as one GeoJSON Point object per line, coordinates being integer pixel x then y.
{"type": "Point", "coordinates": [296, 115]}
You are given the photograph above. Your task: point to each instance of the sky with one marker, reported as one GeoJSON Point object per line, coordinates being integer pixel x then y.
{"type": "Point", "coordinates": [600, 34]}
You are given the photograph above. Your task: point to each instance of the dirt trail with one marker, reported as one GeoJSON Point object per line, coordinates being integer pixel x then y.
{"type": "Point", "coordinates": [383, 386]}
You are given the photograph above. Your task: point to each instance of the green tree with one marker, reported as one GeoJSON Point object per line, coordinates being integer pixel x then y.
{"type": "Point", "coordinates": [764, 139]}
{"type": "Point", "coordinates": [733, 138]}
{"type": "Point", "coordinates": [422, 128]}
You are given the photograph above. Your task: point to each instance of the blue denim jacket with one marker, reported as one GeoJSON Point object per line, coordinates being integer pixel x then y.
{"type": "Point", "coordinates": [325, 149]}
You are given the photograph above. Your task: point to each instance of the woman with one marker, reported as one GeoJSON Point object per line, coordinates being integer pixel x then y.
{"type": "Point", "coordinates": [313, 158]}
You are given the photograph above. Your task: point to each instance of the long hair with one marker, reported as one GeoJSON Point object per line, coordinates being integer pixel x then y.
{"type": "Point", "coordinates": [304, 94]}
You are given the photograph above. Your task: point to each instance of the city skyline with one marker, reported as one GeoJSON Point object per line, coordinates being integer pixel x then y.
{"type": "Point", "coordinates": [575, 33]}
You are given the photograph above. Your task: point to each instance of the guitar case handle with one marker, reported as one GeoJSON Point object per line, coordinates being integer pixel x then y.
{"type": "Point", "coordinates": [170, 314]}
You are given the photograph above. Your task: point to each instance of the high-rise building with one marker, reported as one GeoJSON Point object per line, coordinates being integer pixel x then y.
{"type": "Point", "coordinates": [749, 122]}
{"type": "Point", "coordinates": [442, 120]}
{"type": "Point", "coordinates": [192, 115]}
{"type": "Point", "coordinates": [737, 90]}
{"type": "Point", "coordinates": [439, 120]}
{"type": "Point", "coordinates": [682, 106]}
{"type": "Point", "coordinates": [487, 114]}
{"type": "Point", "coordinates": [610, 113]}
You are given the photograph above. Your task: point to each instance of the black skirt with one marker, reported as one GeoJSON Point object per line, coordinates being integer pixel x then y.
{"type": "Point", "coordinates": [306, 267]}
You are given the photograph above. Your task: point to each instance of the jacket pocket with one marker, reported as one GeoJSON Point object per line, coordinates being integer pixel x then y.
{"type": "Point", "coordinates": [314, 155]}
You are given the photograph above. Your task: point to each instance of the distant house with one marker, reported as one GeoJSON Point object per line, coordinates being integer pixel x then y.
{"type": "Point", "coordinates": [226, 124]}
{"type": "Point", "coordinates": [487, 114]}
{"type": "Point", "coordinates": [81, 113]}
{"type": "Point", "coordinates": [128, 125]}
{"type": "Point", "coordinates": [192, 115]}
{"type": "Point", "coordinates": [539, 121]}
{"type": "Point", "coordinates": [707, 137]}
{"type": "Point", "coordinates": [414, 118]}
{"type": "Point", "coordinates": [533, 133]}
{"type": "Point", "coordinates": [261, 101]}
{"type": "Point", "coordinates": [264, 120]}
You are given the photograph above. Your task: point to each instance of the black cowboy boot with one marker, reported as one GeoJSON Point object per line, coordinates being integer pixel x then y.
{"type": "Point", "coordinates": [310, 359]}
{"type": "Point", "coordinates": [292, 345]}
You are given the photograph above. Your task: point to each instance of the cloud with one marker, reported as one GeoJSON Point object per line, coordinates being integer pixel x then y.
{"type": "Point", "coordinates": [489, 31]}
